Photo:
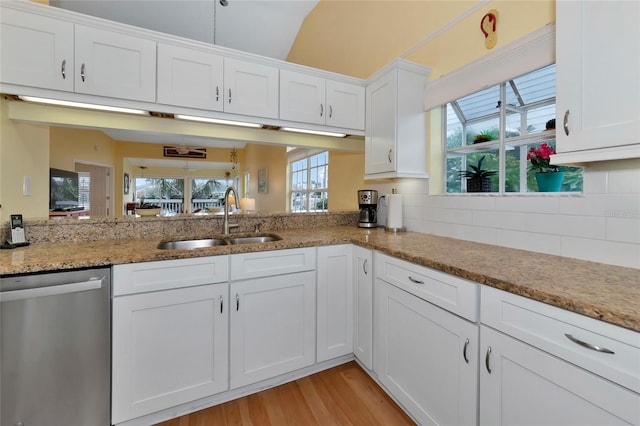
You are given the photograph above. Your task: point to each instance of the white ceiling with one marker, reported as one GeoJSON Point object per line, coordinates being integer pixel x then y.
{"type": "Point", "coordinates": [186, 164]}
{"type": "Point", "coordinates": [171, 139]}
{"type": "Point", "coordinates": [263, 27]}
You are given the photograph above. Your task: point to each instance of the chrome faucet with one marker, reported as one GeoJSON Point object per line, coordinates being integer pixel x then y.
{"type": "Point", "coordinates": [226, 225]}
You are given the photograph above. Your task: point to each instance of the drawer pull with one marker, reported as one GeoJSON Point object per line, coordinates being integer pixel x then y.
{"type": "Point", "coordinates": [486, 360]}
{"type": "Point", "coordinates": [413, 280]}
{"type": "Point", "coordinates": [464, 351]}
{"type": "Point", "coordinates": [589, 345]}
{"type": "Point", "coordinates": [364, 267]}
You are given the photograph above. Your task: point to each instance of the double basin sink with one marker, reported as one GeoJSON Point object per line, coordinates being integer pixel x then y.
{"type": "Point", "coordinates": [212, 242]}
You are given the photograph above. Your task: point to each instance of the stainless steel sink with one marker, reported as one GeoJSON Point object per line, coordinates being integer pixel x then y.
{"type": "Point", "coordinates": [191, 244]}
{"type": "Point", "coordinates": [212, 242]}
{"type": "Point", "coordinates": [255, 239]}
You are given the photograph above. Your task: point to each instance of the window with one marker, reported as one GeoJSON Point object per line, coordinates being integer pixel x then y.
{"type": "Point", "coordinates": [492, 131]}
{"type": "Point", "coordinates": [84, 190]}
{"type": "Point", "coordinates": [309, 183]}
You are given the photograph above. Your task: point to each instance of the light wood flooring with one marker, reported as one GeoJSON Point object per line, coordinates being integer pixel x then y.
{"type": "Point", "coordinates": [343, 395]}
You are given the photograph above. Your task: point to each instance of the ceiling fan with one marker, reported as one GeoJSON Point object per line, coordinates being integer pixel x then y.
{"type": "Point", "coordinates": [185, 151]}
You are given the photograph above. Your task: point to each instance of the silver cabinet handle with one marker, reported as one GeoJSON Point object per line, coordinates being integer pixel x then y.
{"type": "Point", "coordinates": [321, 110]}
{"type": "Point", "coordinates": [330, 111]}
{"type": "Point", "coordinates": [221, 304]}
{"type": "Point", "coordinates": [389, 155]}
{"type": "Point", "coordinates": [413, 280]}
{"type": "Point", "coordinates": [364, 267]}
{"type": "Point", "coordinates": [464, 351]}
{"type": "Point", "coordinates": [63, 69]}
{"type": "Point", "coordinates": [229, 95]}
{"type": "Point", "coordinates": [217, 93]}
{"type": "Point", "coordinates": [565, 122]}
{"type": "Point", "coordinates": [486, 360]}
{"type": "Point", "coordinates": [82, 72]}
{"type": "Point", "coordinates": [237, 302]}
{"type": "Point", "coordinates": [589, 345]}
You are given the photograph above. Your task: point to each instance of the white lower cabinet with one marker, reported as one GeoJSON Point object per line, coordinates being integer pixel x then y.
{"type": "Point", "coordinates": [426, 357]}
{"type": "Point", "coordinates": [522, 385]}
{"type": "Point", "coordinates": [272, 326]}
{"type": "Point", "coordinates": [169, 348]}
{"type": "Point", "coordinates": [335, 302]}
{"type": "Point", "coordinates": [363, 305]}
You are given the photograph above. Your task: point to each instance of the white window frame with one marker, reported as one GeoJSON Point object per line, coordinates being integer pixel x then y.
{"type": "Point", "coordinates": [299, 155]}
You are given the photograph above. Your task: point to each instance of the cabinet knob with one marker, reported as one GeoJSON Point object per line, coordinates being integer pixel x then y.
{"type": "Point", "coordinates": [82, 75]}
{"type": "Point", "coordinates": [565, 123]}
{"type": "Point", "coordinates": [63, 69]}
{"type": "Point", "coordinates": [486, 360]}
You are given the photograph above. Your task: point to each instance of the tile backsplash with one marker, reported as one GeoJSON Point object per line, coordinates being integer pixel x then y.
{"type": "Point", "coordinates": [601, 225]}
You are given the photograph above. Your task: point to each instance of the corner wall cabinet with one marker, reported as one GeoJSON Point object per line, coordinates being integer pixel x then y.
{"type": "Point", "coordinates": [363, 305]}
{"type": "Point", "coordinates": [598, 90]}
{"type": "Point", "coordinates": [335, 302]}
{"type": "Point", "coordinates": [395, 134]}
{"type": "Point", "coordinates": [424, 355]}
{"type": "Point", "coordinates": [529, 361]}
{"type": "Point", "coordinates": [76, 58]}
{"type": "Point", "coordinates": [170, 334]}
{"type": "Point", "coordinates": [312, 99]}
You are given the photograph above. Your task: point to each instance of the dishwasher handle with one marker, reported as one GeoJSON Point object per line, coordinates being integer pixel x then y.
{"type": "Point", "coordinates": [91, 284]}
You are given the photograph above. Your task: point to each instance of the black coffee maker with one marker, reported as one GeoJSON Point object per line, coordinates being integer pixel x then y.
{"type": "Point", "coordinates": [368, 203]}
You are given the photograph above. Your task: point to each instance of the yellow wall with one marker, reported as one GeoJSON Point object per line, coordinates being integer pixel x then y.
{"type": "Point", "coordinates": [346, 177]}
{"type": "Point", "coordinates": [275, 160]}
{"type": "Point", "coordinates": [24, 151]}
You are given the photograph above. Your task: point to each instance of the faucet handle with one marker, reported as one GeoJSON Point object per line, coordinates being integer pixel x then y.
{"type": "Point", "coordinates": [257, 228]}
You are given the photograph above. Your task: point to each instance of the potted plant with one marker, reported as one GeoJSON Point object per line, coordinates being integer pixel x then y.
{"type": "Point", "coordinates": [484, 136]}
{"type": "Point", "coordinates": [478, 178]}
{"type": "Point", "coordinates": [147, 209]}
{"type": "Point", "coordinates": [548, 177]}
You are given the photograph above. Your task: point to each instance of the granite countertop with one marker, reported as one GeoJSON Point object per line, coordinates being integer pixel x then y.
{"type": "Point", "coordinates": [605, 292]}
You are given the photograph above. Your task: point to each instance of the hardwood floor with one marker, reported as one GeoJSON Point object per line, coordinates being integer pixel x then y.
{"type": "Point", "coordinates": [343, 395]}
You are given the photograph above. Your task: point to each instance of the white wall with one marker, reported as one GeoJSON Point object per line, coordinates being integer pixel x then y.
{"type": "Point", "coordinates": [601, 225]}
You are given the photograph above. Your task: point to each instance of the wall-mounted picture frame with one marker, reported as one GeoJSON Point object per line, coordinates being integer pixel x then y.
{"type": "Point", "coordinates": [263, 181]}
{"type": "Point", "coordinates": [126, 184]}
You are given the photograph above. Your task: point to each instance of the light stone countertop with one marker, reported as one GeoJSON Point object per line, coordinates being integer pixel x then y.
{"type": "Point", "coordinates": [605, 292]}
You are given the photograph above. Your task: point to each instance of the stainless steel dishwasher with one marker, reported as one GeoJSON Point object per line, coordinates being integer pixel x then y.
{"type": "Point", "coordinates": [56, 349]}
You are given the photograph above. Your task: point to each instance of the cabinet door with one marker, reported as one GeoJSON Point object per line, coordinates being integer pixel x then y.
{"type": "Point", "coordinates": [522, 385]}
{"type": "Point", "coordinates": [363, 305]}
{"type": "Point", "coordinates": [250, 88]}
{"type": "Point", "coordinates": [169, 347]}
{"type": "Point", "coordinates": [597, 74]}
{"type": "Point", "coordinates": [302, 97]}
{"type": "Point", "coordinates": [380, 135]}
{"type": "Point", "coordinates": [189, 77]}
{"type": "Point", "coordinates": [345, 105]}
{"type": "Point", "coordinates": [36, 51]}
{"type": "Point", "coordinates": [272, 326]}
{"type": "Point", "coordinates": [335, 301]}
{"type": "Point", "coordinates": [114, 64]}
{"type": "Point", "coordinates": [426, 357]}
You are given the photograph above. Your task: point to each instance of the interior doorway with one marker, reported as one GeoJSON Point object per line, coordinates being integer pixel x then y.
{"type": "Point", "coordinates": [100, 188]}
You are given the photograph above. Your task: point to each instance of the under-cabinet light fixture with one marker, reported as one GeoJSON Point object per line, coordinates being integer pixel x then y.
{"type": "Point", "coordinates": [71, 104]}
{"type": "Point", "coordinates": [314, 132]}
{"type": "Point", "coordinates": [216, 121]}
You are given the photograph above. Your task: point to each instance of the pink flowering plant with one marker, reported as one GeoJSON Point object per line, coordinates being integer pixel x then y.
{"type": "Point", "coordinates": [539, 158]}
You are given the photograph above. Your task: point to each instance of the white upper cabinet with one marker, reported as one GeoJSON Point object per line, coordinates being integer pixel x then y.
{"type": "Point", "coordinates": [189, 77]}
{"type": "Point", "coordinates": [36, 50]}
{"type": "Point", "coordinates": [598, 89]}
{"type": "Point", "coordinates": [116, 65]}
{"type": "Point", "coordinates": [250, 88]}
{"type": "Point", "coordinates": [395, 135]}
{"type": "Point", "coordinates": [311, 99]}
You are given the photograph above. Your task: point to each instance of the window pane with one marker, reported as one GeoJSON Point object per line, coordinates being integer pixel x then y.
{"type": "Point", "coordinates": [489, 128]}
{"type": "Point", "coordinates": [480, 104]}
{"type": "Point", "coordinates": [454, 181]}
{"type": "Point", "coordinates": [454, 128]}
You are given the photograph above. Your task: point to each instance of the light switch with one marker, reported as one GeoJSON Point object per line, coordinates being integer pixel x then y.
{"type": "Point", "coordinates": [26, 186]}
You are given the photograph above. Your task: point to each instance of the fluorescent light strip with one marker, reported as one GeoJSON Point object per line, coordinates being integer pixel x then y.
{"type": "Point", "coordinates": [314, 132]}
{"type": "Point", "coordinates": [216, 121]}
{"type": "Point", "coordinates": [82, 105]}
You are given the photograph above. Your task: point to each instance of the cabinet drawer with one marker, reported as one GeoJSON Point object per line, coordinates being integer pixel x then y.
{"type": "Point", "coordinates": [548, 327]}
{"type": "Point", "coordinates": [451, 293]}
{"type": "Point", "coordinates": [169, 274]}
{"type": "Point", "coordinates": [274, 262]}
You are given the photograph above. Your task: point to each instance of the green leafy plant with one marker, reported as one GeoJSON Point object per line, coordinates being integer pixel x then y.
{"type": "Point", "coordinates": [484, 136]}
{"type": "Point", "coordinates": [477, 172]}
